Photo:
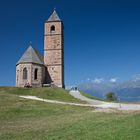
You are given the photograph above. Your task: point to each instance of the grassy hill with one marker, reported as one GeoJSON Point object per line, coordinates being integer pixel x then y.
{"type": "Point", "coordinates": [92, 97]}
{"type": "Point", "coordinates": [22, 119]}
{"type": "Point", "coordinates": [45, 93]}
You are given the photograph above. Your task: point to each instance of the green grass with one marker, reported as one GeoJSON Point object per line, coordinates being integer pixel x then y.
{"type": "Point", "coordinates": [92, 97]}
{"type": "Point", "coordinates": [22, 119]}
{"type": "Point", "coordinates": [105, 100]}
{"type": "Point", "coordinates": [45, 93]}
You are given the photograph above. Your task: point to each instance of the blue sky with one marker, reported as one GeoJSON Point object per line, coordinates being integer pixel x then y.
{"type": "Point", "coordinates": [102, 38]}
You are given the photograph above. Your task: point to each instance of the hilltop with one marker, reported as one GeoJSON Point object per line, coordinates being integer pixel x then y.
{"type": "Point", "coordinates": [45, 93]}
{"type": "Point", "coordinates": [34, 120]}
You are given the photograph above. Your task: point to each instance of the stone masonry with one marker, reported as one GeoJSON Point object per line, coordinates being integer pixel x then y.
{"type": "Point", "coordinates": [20, 82]}
{"type": "Point", "coordinates": [54, 50]}
{"type": "Point", "coordinates": [35, 70]}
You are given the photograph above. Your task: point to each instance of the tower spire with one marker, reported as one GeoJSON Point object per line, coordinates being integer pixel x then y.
{"type": "Point", "coordinates": [54, 16]}
{"type": "Point", "coordinates": [30, 43]}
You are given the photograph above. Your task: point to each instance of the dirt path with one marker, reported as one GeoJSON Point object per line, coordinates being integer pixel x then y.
{"type": "Point", "coordinates": [55, 101]}
{"type": "Point", "coordinates": [102, 104]}
{"type": "Point", "coordinates": [91, 102]}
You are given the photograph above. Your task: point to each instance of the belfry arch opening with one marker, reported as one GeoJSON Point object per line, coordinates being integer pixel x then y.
{"type": "Point", "coordinates": [52, 28]}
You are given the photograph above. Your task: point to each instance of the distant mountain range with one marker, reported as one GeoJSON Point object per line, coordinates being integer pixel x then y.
{"type": "Point", "coordinates": [128, 91]}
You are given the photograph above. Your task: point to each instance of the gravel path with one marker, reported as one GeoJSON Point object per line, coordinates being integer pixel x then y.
{"type": "Point", "coordinates": [90, 102]}
{"type": "Point", "coordinates": [55, 101]}
{"type": "Point", "coordinates": [102, 104]}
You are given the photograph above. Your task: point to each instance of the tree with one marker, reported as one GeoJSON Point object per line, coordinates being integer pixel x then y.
{"type": "Point", "coordinates": [111, 96]}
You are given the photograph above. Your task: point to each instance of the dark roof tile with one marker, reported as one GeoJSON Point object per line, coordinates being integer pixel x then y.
{"type": "Point", "coordinates": [31, 56]}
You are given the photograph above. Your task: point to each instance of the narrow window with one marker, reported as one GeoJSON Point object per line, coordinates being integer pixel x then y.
{"type": "Point", "coordinates": [35, 74]}
{"type": "Point", "coordinates": [52, 28]}
{"type": "Point", "coordinates": [25, 73]}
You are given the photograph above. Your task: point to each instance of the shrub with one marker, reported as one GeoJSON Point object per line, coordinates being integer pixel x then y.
{"type": "Point", "coordinates": [111, 96]}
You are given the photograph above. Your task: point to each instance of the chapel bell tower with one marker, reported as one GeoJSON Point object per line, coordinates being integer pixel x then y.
{"type": "Point", "coordinates": [54, 49]}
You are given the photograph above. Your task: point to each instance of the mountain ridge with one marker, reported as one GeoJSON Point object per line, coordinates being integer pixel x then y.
{"type": "Point", "coordinates": [127, 91]}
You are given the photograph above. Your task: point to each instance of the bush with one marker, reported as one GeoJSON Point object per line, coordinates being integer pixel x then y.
{"type": "Point", "coordinates": [111, 96]}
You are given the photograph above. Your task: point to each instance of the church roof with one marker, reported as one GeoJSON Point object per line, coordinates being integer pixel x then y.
{"type": "Point", "coordinates": [54, 17]}
{"type": "Point", "coordinates": [31, 56]}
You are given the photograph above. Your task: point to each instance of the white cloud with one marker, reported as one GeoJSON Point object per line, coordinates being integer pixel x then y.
{"type": "Point", "coordinates": [98, 80]}
{"type": "Point", "coordinates": [88, 79]}
{"type": "Point", "coordinates": [136, 77]}
{"type": "Point", "coordinates": [113, 80]}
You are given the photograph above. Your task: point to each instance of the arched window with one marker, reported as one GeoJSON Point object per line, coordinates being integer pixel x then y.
{"type": "Point", "coordinates": [25, 75]}
{"type": "Point", "coordinates": [35, 74]}
{"type": "Point", "coordinates": [52, 28]}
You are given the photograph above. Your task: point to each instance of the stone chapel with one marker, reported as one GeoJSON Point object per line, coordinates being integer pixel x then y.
{"type": "Point", "coordinates": [33, 69]}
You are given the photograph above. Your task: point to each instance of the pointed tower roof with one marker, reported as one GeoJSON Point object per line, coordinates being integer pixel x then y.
{"type": "Point", "coordinates": [54, 17]}
{"type": "Point", "coordinates": [31, 56]}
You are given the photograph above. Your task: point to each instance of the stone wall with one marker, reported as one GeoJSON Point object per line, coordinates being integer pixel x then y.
{"type": "Point", "coordinates": [53, 52]}
{"type": "Point", "coordinates": [20, 82]}
{"type": "Point", "coordinates": [56, 75]}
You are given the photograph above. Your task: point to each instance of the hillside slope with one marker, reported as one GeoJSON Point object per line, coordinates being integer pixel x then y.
{"type": "Point", "coordinates": [34, 120]}
{"type": "Point", "coordinates": [46, 93]}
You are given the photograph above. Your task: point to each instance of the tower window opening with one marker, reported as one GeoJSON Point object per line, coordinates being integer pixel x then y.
{"type": "Point", "coordinates": [25, 75]}
{"type": "Point", "coordinates": [36, 74]}
{"type": "Point", "coordinates": [52, 28]}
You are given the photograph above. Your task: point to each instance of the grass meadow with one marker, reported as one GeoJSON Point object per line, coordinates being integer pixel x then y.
{"type": "Point", "coordinates": [22, 119]}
